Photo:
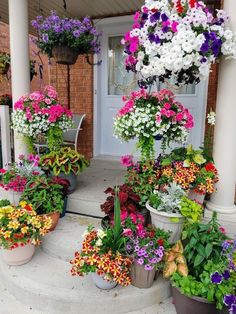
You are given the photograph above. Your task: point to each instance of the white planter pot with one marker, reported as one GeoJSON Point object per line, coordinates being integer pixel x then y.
{"type": "Point", "coordinates": [196, 196]}
{"type": "Point", "coordinates": [11, 195]}
{"type": "Point", "coordinates": [167, 222]}
{"type": "Point", "coordinates": [19, 256]}
{"type": "Point", "coordinates": [101, 283]}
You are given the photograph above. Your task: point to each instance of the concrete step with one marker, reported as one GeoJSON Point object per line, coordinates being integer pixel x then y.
{"type": "Point", "coordinates": [45, 284]}
{"type": "Point", "coordinates": [90, 191]}
{"type": "Point", "coordinates": [106, 162]}
{"type": "Point", "coordinates": [67, 236]}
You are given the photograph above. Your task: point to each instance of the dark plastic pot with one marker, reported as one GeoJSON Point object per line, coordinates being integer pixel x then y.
{"type": "Point", "coordinates": [64, 208]}
{"type": "Point", "coordinates": [65, 55]}
{"type": "Point", "coordinates": [140, 277]}
{"type": "Point", "coordinates": [72, 178]}
{"type": "Point", "coordinates": [193, 305]}
{"type": "Point", "coordinates": [158, 137]}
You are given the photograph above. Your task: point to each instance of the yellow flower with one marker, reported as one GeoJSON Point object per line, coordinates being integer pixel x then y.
{"type": "Point", "coordinates": [35, 222]}
{"type": "Point", "coordinates": [24, 230]}
{"type": "Point", "coordinates": [14, 224]}
{"type": "Point", "coordinates": [199, 159]}
{"type": "Point", "coordinates": [7, 234]}
{"type": "Point", "coordinates": [23, 204]}
{"type": "Point", "coordinates": [5, 210]}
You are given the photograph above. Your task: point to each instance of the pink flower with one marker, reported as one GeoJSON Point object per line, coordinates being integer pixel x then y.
{"type": "Point", "coordinates": [158, 118]}
{"type": "Point", "coordinates": [163, 112]}
{"type": "Point", "coordinates": [50, 91]}
{"type": "Point", "coordinates": [179, 117]}
{"type": "Point", "coordinates": [35, 96]}
{"type": "Point", "coordinates": [140, 230]}
{"type": "Point", "coordinates": [123, 215]}
{"type": "Point", "coordinates": [19, 105]}
{"type": "Point", "coordinates": [21, 156]}
{"type": "Point", "coordinates": [174, 26]}
{"type": "Point", "coordinates": [167, 105]}
{"type": "Point", "coordinates": [2, 171]}
{"type": "Point", "coordinates": [222, 230]}
{"type": "Point", "coordinates": [170, 113]}
{"type": "Point", "coordinates": [136, 16]}
{"type": "Point", "coordinates": [128, 232]}
{"type": "Point", "coordinates": [127, 160]}
{"type": "Point", "coordinates": [47, 101]}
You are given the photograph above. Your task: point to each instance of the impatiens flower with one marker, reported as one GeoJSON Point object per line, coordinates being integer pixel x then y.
{"type": "Point", "coordinates": [216, 278]}
{"type": "Point", "coordinates": [127, 160]}
{"type": "Point", "coordinates": [127, 232]}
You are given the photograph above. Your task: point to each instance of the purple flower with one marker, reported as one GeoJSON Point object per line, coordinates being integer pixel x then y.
{"type": "Point", "coordinates": [146, 255]}
{"type": "Point", "coordinates": [140, 261]}
{"type": "Point", "coordinates": [148, 267]}
{"type": "Point", "coordinates": [232, 309]}
{"type": "Point", "coordinates": [164, 17]}
{"type": "Point", "coordinates": [229, 299]}
{"type": "Point", "coordinates": [144, 16]}
{"type": "Point", "coordinates": [128, 247]}
{"type": "Point", "coordinates": [226, 274]}
{"type": "Point", "coordinates": [216, 278]}
{"type": "Point", "coordinates": [203, 60]}
{"type": "Point", "coordinates": [136, 248]}
{"type": "Point", "coordinates": [204, 47]}
{"type": "Point", "coordinates": [45, 38]}
{"type": "Point", "coordinates": [151, 243]}
{"type": "Point", "coordinates": [57, 29]}
{"type": "Point", "coordinates": [154, 17]}
{"type": "Point", "coordinates": [77, 33]}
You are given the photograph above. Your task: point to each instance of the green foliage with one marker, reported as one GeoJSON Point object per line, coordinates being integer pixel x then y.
{"type": "Point", "coordinates": [204, 243]}
{"type": "Point", "coordinates": [4, 203]}
{"type": "Point", "coordinates": [191, 210]}
{"type": "Point", "coordinates": [44, 195]}
{"type": "Point", "coordinates": [203, 287]}
{"type": "Point", "coordinates": [54, 138]}
{"type": "Point", "coordinates": [146, 145]}
{"type": "Point", "coordinates": [30, 144]}
{"type": "Point", "coordinates": [66, 160]}
{"type": "Point", "coordinates": [4, 59]}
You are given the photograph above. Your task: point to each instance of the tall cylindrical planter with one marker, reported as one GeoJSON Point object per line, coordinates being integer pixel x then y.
{"type": "Point", "coordinates": [168, 222]}
{"type": "Point", "coordinates": [64, 208]}
{"type": "Point", "coordinates": [103, 284]}
{"type": "Point", "coordinates": [140, 277]}
{"type": "Point", "coordinates": [72, 178]}
{"type": "Point", "coordinates": [196, 196]}
{"type": "Point", "coordinates": [194, 305]}
{"type": "Point", "coordinates": [19, 256]}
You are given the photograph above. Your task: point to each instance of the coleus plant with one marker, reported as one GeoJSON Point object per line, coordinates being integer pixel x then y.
{"type": "Point", "coordinates": [65, 161]}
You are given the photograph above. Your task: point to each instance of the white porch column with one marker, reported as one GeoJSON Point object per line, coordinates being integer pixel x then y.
{"type": "Point", "coordinates": [225, 139]}
{"type": "Point", "coordinates": [20, 67]}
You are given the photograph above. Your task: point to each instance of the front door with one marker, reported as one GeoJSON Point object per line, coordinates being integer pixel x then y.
{"type": "Point", "coordinates": [113, 81]}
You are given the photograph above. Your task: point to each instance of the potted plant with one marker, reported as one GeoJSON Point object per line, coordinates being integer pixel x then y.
{"type": "Point", "coordinates": [191, 169]}
{"type": "Point", "coordinates": [144, 116]}
{"type": "Point", "coordinates": [103, 255]}
{"type": "Point", "coordinates": [147, 247]}
{"type": "Point", "coordinates": [4, 62]}
{"type": "Point", "coordinates": [181, 41]}
{"type": "Point", "coordinates": [46, 197]}
{"type": "Point", "coordinates": [65, 163]}
{"type": "Point", "coordinates": [65, 38]}
{"type": "Point", "coordinates": [6, 100]}
{"type": "Point", "coordinates": [20, 230]}
{"type": "Point", "coordinates": [65, 191]}
{"type": "Point", "coordinates": [19, 173]}
{"type": "Point", "coordinates": [40, 113]}
{"type": "Point", "coordinates": [197, 289]}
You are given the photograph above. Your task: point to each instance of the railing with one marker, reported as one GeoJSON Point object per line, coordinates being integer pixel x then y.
{"type": "Point", "coordinates": [5, 135]}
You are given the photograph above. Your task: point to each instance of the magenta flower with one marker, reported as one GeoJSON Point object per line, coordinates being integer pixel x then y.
{"type": "Point", "coordinates": [127, 160]}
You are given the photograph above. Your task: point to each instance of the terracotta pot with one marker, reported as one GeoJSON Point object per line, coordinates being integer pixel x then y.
{"type": "Point", "coordinates": [140, 277]}
{"type": "Point", "coordinates": [168, 222]}
{"type": "Point", "coordinates": [55, 217]}
{"type": "Point", "coordinates": [193, 305]}
{"type": "Point", "coordinates": [103, 284]}
{"type": "Point", "coordinates": [65, 55]}
{"type": "Point", "coordinates": [4, 69]}
{"type": "Point", "coordinates": [196, 196]}
{"type": "Point", "coordinates": [20, 255]}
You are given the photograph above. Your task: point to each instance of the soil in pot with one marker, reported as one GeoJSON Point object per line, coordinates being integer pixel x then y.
{"type": "Point", "coordinates": [140, 277]}
{"type": "Point", "coordinates": [19, 256]}
{"type": "Point", "coordinates": [192, 305]}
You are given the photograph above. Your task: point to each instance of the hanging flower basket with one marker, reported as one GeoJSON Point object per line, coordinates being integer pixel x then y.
{"type": "Point", "coordinates": [65, 55]}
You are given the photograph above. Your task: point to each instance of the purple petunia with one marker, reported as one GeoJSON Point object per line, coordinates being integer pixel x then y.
{"type": "Point", "coordinates": [148, 267]}
{"type": "Point", "coordinates": [216, 278]}
{"type": "Point", "coordinates": [140, 261]}
{"type": "Point", "coordinates": [229, 299]}
{"type": "Point", "coordinates": [232, 309]}
{"type": "Point", "coordinates": [226, 274]}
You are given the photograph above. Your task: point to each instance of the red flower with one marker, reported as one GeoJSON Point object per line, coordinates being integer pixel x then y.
{"type": "Point", "coordinates": [151, 233]}
{"type": "Point", "coordinates": [160, 241]}
{"type": "Point", "coordinates": [28, 207]}
{"type": "Point", "coordinates": [3, 170]}
{"type": "Point", "coordinates": [210, 167]}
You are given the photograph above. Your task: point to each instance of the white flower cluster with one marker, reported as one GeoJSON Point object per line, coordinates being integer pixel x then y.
{"type": "Point", "coordinates": [211, 118]}
{"type": "Point", "coordinates": [165, 44]}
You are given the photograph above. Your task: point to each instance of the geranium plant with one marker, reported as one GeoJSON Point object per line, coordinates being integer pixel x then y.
{"type": "Point", "coordinates": [45, 195]}
{"type": "Point", "coordinates": [190, 169]}
{"type": "Point", "coordinates": [40, 113]}
{"type": "Point", "coordinates": [55, 31]}
{"type": "Point", "coordinates": [6, 100]}
{"type": "Point", "coordinates": [21, 225]}
{"type": "Point", "coordinates": [20, 173]}
{"type": "Point", "coordinates": [146, 116]}
{"type": "Point", "coordinates": [177, 40]}
{"type": "Point", "coordinates": [66, 161]}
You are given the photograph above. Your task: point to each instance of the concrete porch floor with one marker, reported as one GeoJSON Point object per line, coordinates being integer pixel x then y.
{"type": "Point", "coordinates": [92, 183]}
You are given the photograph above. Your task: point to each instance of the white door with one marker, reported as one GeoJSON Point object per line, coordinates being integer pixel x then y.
{"type": "Point", "coordinates": [112, 81]}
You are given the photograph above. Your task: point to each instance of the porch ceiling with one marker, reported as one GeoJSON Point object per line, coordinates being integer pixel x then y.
{"type": "Point", "coordinates": [76, 8]}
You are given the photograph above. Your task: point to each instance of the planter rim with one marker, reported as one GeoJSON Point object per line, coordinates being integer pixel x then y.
{"type": "Point", "coordinates": [196, 298]}
{"type": "Point", "coordinates": [161, 213]}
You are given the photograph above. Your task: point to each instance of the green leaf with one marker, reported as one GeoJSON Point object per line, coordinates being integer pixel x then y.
{"type": "Point", "coordinates": [201, 250]}
{"type": "Point", "coordinates": [198, 260]}
{"type": "Point", "coordinates": [208, 249]}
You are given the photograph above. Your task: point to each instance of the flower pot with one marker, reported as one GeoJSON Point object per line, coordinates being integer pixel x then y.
{"type": "Point", "coordinates": [196, 196]}
{"type": "Point", "coordinates": [4, 68]}
{"type": "Point", "coordinates": [72, 178]}
{"type": "Point", "coordinates": [55, 217]}
{"type": "Point", "coordinates": [65, 55]}
{"type": "Point", "coordinates": [194, 305]}
{"type": "Point", "coordinates": [167, 222]}
{"type": "Point", "coordinates": [140, 277]}
{"type": "Point", "coordinates": [19, 256]}
{"type": "Point", "coordinates": [64, 208]}
{"type": "Point", "coordinates": [101, 283]}
{"type": "Point", "coordinates": [158, 137]}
